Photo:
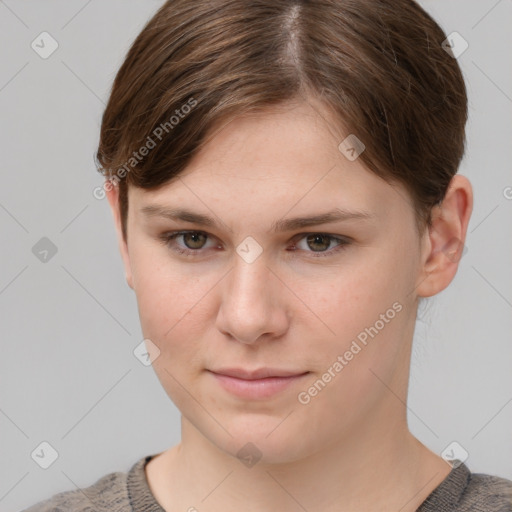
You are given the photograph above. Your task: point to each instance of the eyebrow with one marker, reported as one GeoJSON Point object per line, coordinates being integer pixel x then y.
{"type": "Point", "coordinates": [282, 225]}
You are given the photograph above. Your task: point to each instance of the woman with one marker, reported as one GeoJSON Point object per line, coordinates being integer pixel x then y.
{"type": "Point", "coordinates": [284, 197]}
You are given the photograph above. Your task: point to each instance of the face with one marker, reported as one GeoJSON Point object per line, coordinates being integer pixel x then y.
{"type": "Point", "coordinates": [332, 298]}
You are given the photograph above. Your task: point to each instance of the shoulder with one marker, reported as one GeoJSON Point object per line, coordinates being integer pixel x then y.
{"type": "Point", "coordinates": [464, 491]}
{"type": "Point", "coordinates": [487, 493]}
{"type": "Point", "coordinates": [109, 493]}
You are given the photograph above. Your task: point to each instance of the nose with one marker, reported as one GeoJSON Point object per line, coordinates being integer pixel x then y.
{"type": "Point", "coordinates": [253, 302]}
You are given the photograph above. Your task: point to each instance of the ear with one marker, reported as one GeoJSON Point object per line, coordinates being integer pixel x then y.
{"type": "Point", "coordinates": [112, 192]}
{"type": "Point", "coordinates": [443, 243]}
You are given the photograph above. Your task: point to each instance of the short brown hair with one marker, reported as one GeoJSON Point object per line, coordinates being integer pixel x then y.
{"type": "Point", "coordinates": [378, 65]}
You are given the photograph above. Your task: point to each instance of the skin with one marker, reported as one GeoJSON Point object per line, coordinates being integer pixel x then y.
{"type": "Point", "coordinates": [349, 448]}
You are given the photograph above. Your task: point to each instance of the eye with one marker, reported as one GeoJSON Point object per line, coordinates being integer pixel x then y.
{"type": "Point", "coordinates": [193, 241]}
{"type": "Point", "coordinates": [321, 243]}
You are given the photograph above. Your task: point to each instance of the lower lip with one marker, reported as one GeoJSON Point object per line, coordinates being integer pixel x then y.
{"type": "Point", "coordinates": [257, 388]}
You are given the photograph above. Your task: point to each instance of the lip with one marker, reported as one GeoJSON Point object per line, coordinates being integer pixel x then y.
{"type": "Point", "coordinates": [258, 384]}
{"type": "Point", "coordinates": [259, 373]}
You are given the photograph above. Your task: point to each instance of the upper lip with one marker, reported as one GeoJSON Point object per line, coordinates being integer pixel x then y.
{"type": "Point", "coordinates": [259, 373]}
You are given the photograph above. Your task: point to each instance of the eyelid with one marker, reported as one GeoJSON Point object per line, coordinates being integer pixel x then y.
{"type": "Point", "coordinates": [341, 238]}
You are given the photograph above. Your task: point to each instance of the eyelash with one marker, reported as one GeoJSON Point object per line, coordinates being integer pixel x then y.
{"type": "Point", "coordinates": [168, 238]}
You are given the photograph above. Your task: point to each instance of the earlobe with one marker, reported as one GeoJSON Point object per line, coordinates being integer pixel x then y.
{"type": "Point", "coordinates": [446, 236]}
{"type": "Point", "coordinates": [112, 193]}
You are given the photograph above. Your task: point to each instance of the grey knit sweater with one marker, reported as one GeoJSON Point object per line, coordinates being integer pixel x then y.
{"type": "Point", "coordinates": [460, 491]}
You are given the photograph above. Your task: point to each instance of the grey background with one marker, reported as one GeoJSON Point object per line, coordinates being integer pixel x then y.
{"type": "Point", "coordinates": [69, 325]}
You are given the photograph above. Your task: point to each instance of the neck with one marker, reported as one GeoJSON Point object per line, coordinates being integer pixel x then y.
{"type": "Point", "coordinates": [380, 466]}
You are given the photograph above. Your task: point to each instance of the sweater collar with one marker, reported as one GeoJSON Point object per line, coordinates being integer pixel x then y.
{"type": "Point", "coordinates": [448, 493]}
{"type": "Point", "coordinates": [444, 497]}
{"type": "Point", "coordinates": [139, 493]}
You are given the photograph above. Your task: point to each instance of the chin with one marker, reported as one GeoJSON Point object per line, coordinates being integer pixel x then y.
{"type": "Point", "coordinates": [265, 440]}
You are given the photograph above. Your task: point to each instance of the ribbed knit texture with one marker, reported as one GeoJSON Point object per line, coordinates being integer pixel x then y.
{"type": "Point", "coordinates": [460, 491]}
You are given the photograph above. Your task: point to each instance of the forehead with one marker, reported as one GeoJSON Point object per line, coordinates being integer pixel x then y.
{"type": "Point", "coordinates": [263, 165]}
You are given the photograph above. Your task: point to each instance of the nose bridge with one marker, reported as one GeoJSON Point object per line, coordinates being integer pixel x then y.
{"type": "Point", "coordinates": [249, 284]}
{"type": "Point", "coordinates": [250, 303]}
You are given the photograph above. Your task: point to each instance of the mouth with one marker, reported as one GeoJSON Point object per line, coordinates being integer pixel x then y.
{"type": "Point", "coordinates": [259, 384]}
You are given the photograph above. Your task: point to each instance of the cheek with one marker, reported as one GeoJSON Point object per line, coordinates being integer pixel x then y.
{"type": "Point", "coordinates": [366, 313]}
{"type": "Point", "coordinates": [176, 307]}
{"type": "Point", "coordinates": [352, 297]}
{"type": "Point", "coordinates": [370, 328]}
{"type": "Point", "coordinates": [173, 311]}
